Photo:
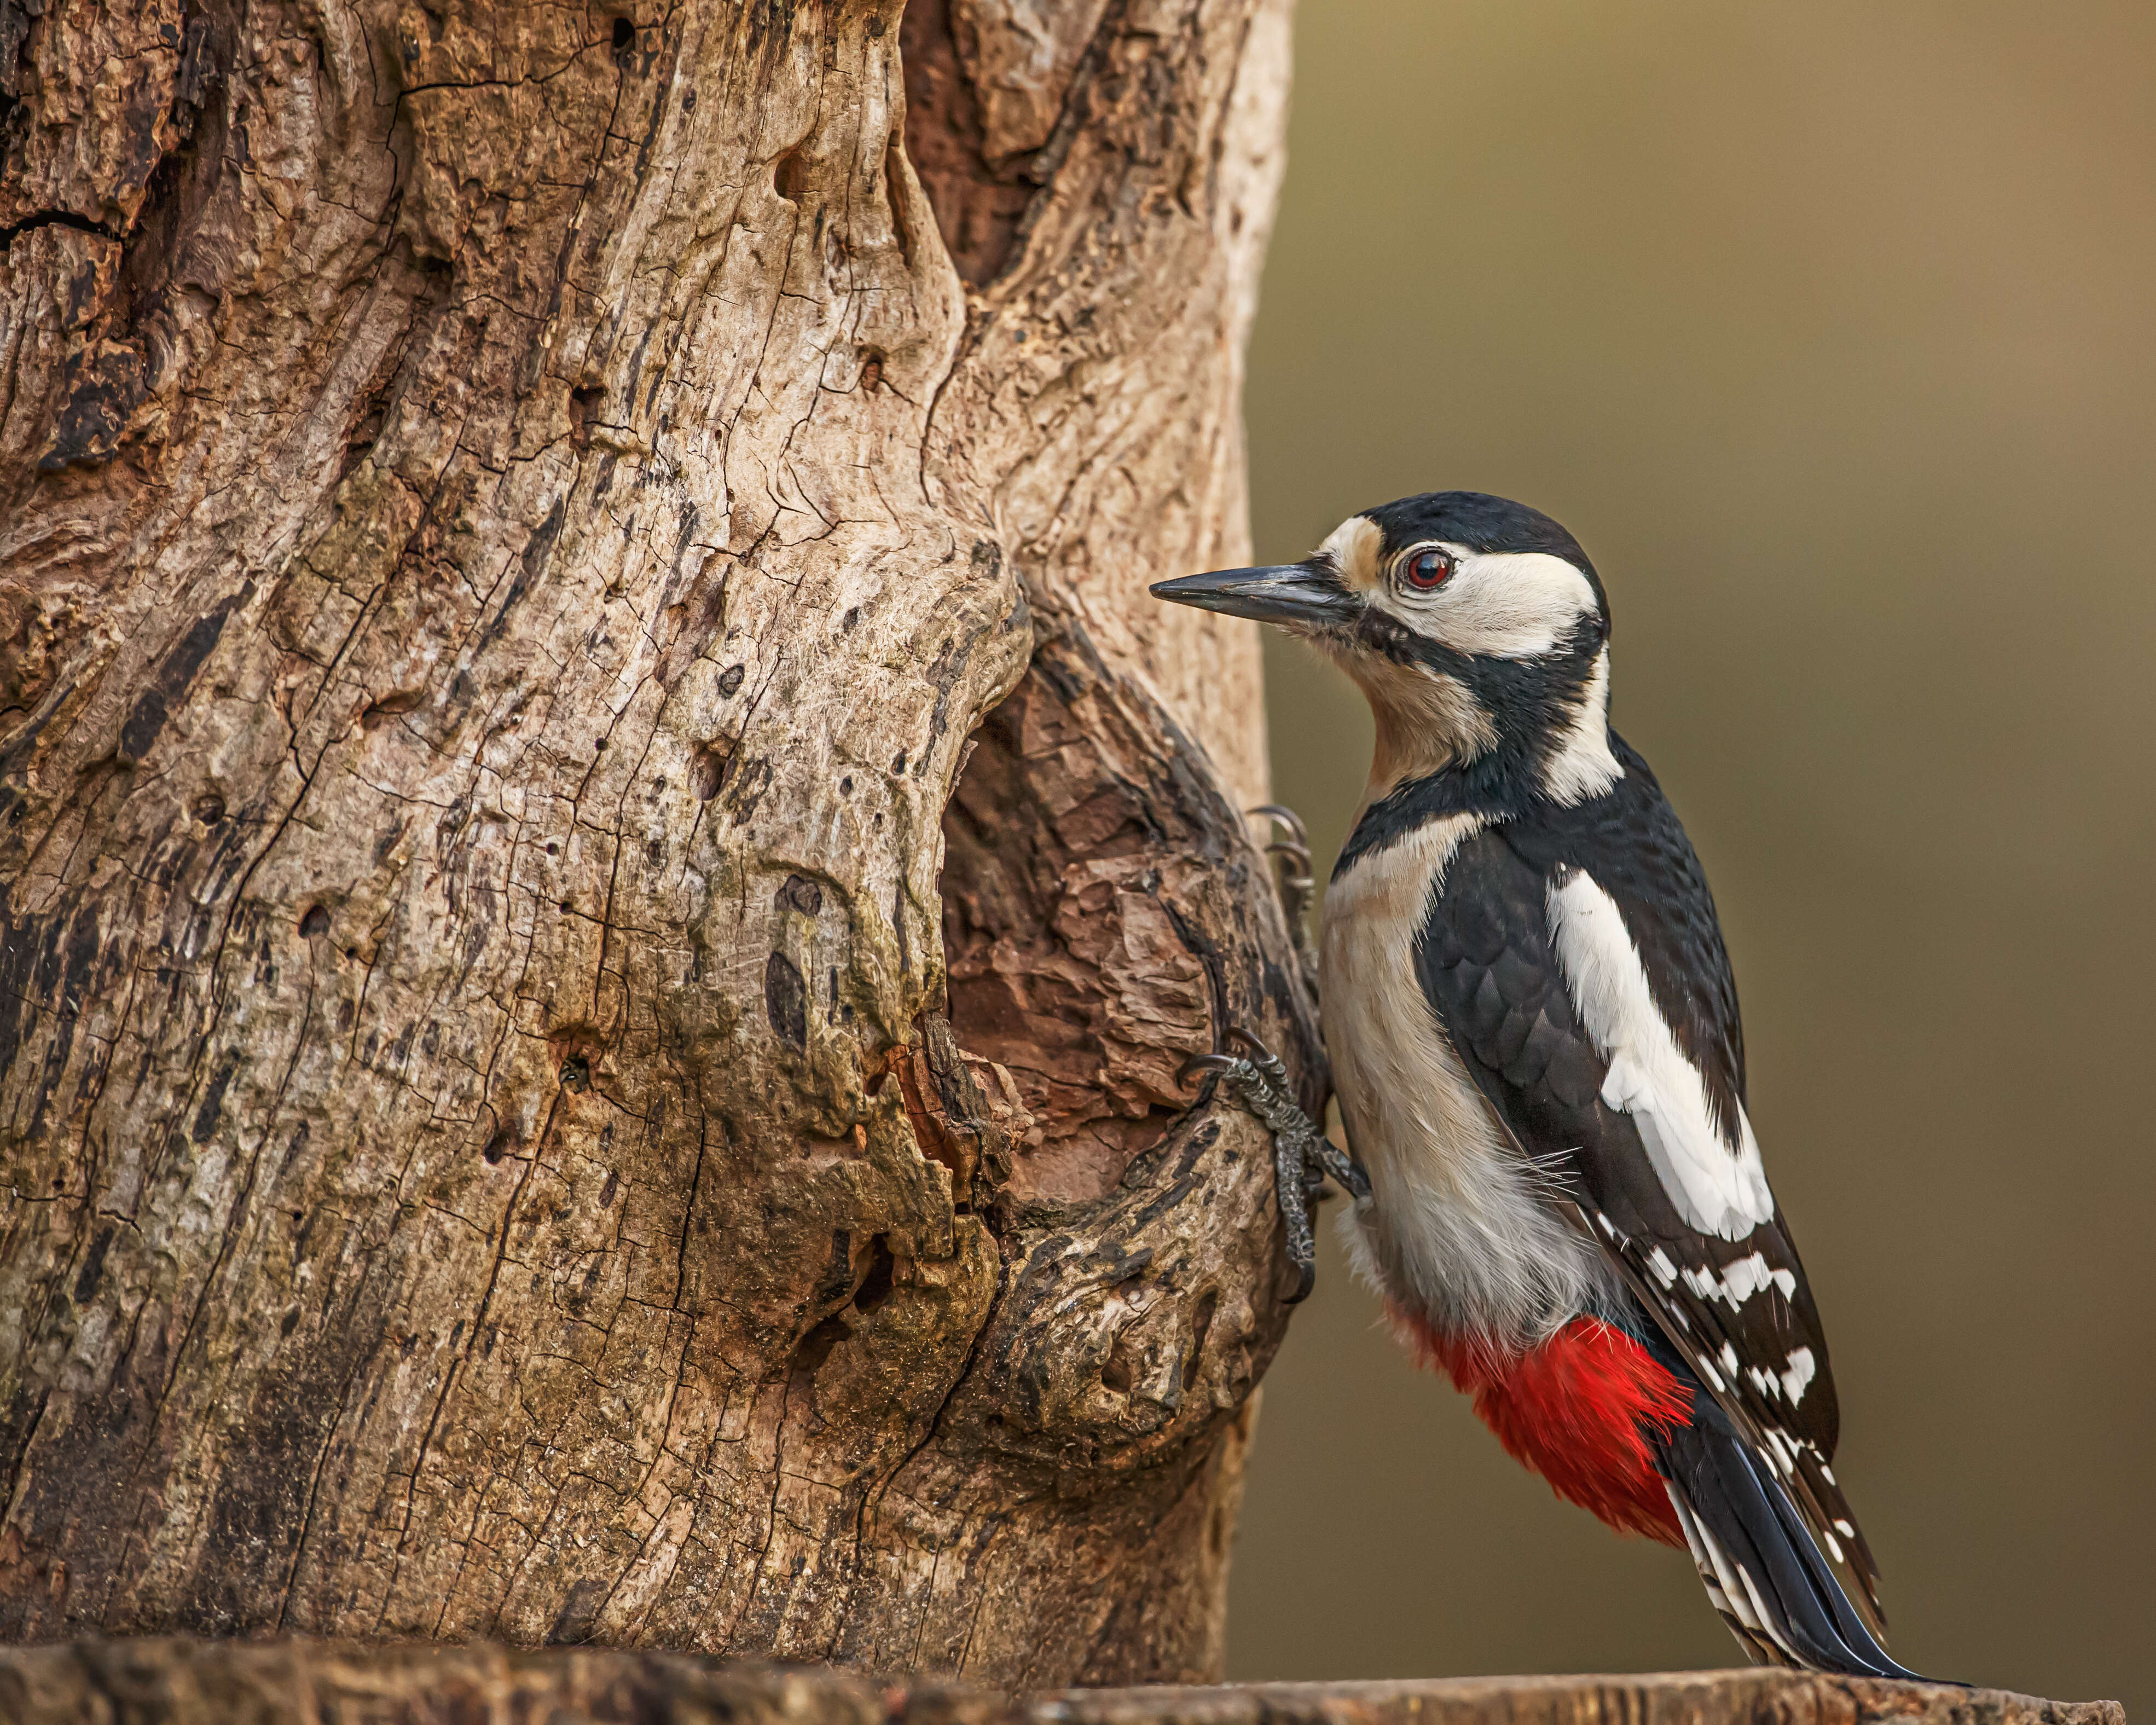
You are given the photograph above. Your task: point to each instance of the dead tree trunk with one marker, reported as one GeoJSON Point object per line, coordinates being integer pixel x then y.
{"type": "Point", "coordinates": [540, 1094]}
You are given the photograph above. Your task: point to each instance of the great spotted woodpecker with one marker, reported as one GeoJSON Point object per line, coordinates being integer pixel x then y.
{"type": "Point", "coordinates": [1534, 1038]}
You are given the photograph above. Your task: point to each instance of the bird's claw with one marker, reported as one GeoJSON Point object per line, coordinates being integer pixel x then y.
{"type": "Point", "coordinates": [1295, 883]}
{"type": "Point", "coordinates": [1302, 1155]}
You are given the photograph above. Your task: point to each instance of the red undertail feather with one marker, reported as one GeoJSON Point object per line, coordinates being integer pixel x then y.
{"type": "Point", "coordinates": [1577, 1409]}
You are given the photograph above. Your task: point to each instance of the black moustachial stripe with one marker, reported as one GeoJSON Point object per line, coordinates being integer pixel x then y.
{"type": "Point", "coordinates": [1528, 703]}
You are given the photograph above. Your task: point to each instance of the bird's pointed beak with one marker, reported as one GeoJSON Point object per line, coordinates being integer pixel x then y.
{"type": "Point", "coordinates": [1301, 595]}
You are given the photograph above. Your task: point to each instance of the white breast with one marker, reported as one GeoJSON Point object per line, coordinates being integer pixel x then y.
{"type": "Point", "coordinates": [1453, 1230]}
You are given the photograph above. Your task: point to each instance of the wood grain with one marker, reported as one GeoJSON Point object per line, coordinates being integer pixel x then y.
{"type": "Point", "coordinates": [510, 518]}
{"type": "Point", "coordinates": [181, 1682]}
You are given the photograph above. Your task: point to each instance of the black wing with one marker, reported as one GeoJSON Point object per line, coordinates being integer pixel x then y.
{"type": "Point", "coordinates": [1739, 1314]}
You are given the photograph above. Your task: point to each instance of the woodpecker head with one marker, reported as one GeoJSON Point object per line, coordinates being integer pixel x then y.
{"type": "Point", "coordinates": [1477, 628]}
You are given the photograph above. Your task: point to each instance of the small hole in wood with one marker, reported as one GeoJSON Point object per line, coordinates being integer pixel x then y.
{"type": "Point", "coordinates": [875, 1286]}
{"type": "Point", "coordinates": [707, 775]}
{"type": "Point", "coordinates": [789, 178]}
{"type": "Point", "coordinates": [584, 408]}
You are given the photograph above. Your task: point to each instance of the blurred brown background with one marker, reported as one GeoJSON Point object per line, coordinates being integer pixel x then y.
{"type": "Point", "coordinates": [1830, 330]}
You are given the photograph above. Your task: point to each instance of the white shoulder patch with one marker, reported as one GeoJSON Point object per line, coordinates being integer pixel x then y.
{"type": "Point", "coordinates": [1650, 1078]}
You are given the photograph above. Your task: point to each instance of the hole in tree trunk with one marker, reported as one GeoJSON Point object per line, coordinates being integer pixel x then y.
{"type": "Point", "coordinates": [977, 208]}
{"type": "Point", "coordinates": [1067, 965]}
{"type": "Point", "coordinates": [789, 178]}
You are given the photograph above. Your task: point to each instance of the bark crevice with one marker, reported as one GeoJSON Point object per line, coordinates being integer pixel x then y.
{"type": "Point", "coordinates": [506, 528]}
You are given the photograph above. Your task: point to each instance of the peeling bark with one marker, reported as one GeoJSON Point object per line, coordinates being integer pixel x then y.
{"type": "Point", "coordinates": [513, 520]}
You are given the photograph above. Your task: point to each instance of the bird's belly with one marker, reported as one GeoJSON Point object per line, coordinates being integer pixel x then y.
{"type": "Point", "coordinates": [1456, 1231]}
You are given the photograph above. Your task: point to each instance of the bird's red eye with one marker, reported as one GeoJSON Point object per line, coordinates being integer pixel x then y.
{"type": "Point", "coordinates": [1426, 571]}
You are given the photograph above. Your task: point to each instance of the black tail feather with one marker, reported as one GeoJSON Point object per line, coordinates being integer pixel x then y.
{"type": "Point", "coordinates": [1762, 1565]}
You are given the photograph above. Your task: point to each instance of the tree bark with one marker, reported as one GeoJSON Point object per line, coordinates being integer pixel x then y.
{"type": "Point", "coordinates": [180, 1682]}
{"type": "Point", "coordinates": [543, 1094]}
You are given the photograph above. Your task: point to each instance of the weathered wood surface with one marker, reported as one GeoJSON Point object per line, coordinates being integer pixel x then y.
{"type": "Point", "coordinates": [509, 517]}
{"type": "Point", "coordinates": [184, 1682]}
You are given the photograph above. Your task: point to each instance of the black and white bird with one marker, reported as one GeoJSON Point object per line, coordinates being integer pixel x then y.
{"type": "Point", "coordinates": [1534, 1038]}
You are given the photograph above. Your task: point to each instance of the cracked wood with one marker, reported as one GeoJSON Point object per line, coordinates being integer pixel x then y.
{"type": "Point", "coordinates": [543, 1093]}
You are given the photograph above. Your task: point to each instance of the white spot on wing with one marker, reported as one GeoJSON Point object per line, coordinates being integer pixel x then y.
{"type": "Point", "coordinates": [1743, 1279]}
{"type": "Point", "coordinates": [1786, 1281]}
{"type": "Point", "coordinates": [1803, 1367]}
{"type": "Point", "coordinates": [1650, 1078]}
{"type": "Point", "coordinates": [1665, 1273]}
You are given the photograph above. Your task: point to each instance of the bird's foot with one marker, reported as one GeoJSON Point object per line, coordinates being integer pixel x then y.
{"type": "Point", "coordinates": [1302, 1155]}
{"type": "Point", "coordinates": [1296, 884]}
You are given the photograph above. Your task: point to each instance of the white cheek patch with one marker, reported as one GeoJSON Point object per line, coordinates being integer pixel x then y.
{"type": "Point", "coordinates": [1352, 548]}
{"type": "Point", "coordinates": [1716, 1190]}
{"type": "Point", "coordinates": [1510, 604]}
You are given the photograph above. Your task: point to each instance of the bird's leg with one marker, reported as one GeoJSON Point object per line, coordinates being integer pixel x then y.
{"type": "Point", "coordinates": [1302, 1155]}
{"type": "Point", "coordinates": [1297, 885]}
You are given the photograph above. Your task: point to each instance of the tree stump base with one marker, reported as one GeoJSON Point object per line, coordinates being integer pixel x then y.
{"type": "Point", "coordinates": [175, 1681]}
